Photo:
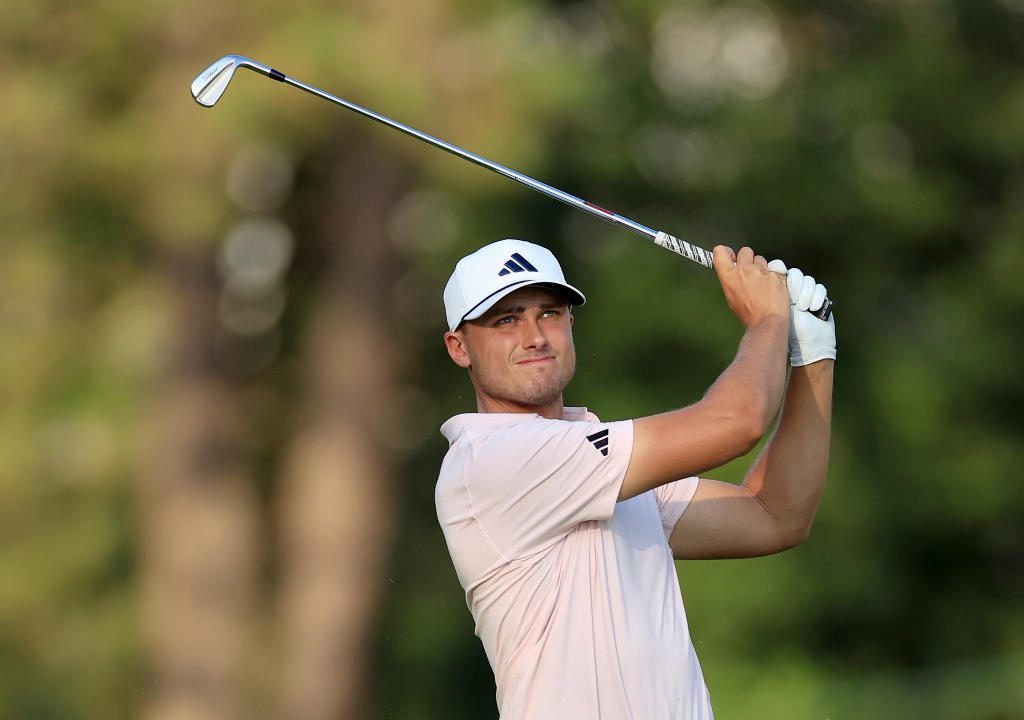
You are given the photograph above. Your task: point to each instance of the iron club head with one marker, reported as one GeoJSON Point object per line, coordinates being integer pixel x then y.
{"type": "Point", "coordinates": [211, 83]}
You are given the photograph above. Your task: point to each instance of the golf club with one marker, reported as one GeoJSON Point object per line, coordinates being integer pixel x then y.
{"type": "Point", "coordinates": [210, 84]}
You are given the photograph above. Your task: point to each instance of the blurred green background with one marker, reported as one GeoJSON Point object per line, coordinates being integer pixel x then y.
{"type": "Point", "coordinates": [221, 369]}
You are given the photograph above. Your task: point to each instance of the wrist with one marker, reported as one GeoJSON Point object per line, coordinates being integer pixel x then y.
{"type": "Point", "coordinates": [816, 367]}
{"type": "Point", "coordinates": [767, 337]}
{"type": "Point", "coordinates": [772, 321]}
{"type": "Point", "coordinates": [802, 359]}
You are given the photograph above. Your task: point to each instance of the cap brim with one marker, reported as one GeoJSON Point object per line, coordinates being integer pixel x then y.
{"type": "Point", "coordinates": [572, 296]}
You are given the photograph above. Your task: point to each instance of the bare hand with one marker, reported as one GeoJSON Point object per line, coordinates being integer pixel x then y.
{"type": "Point", "coordinates": [752, 291]}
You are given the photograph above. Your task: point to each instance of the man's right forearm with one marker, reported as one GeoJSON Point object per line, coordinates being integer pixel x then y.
{"type": "Point", "coordinates": [725, 424]}
{"type": "Point", "coordinates": [753, 384]}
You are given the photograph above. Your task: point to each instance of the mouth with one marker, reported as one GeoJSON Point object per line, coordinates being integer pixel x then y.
{"type": "Point", "coordinates": [535, 361]}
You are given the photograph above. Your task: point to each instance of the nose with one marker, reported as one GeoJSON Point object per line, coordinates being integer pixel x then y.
{"type": "Point", "coordinates": [533, 335]}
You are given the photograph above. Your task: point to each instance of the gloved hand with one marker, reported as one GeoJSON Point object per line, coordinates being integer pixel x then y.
{"type": "Point", "coordinates": [810, 339]}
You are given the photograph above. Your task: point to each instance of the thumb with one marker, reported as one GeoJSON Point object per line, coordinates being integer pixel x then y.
{"type": "Point", "coordinates": [724, 258]}
{"type": "Point", "coordinates": [777, 266]}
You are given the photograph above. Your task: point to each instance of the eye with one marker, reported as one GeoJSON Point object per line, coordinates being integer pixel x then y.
{"type": "Point", "coordinates": [504, 320]}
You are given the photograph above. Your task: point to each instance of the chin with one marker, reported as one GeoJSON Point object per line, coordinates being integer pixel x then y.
{"type": "Point", "coordinates": [538, 401]}
{"type": "Point", "coordinates": [527, 392]}
{"type": "Point", "coordinates": [541, 395]}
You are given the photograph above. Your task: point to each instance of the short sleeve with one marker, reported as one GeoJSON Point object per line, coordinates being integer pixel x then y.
{"type": "Point", "coordinates": [673, 499]}
{"type": "Point", "coordinates": [531, 483]}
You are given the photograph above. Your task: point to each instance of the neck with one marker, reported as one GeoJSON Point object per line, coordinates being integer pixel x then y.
{"type": "Point", "coordinates": [552, 410]}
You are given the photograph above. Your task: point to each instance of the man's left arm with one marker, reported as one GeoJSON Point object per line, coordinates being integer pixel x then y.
{"type": "Point", "coordinates": [774, 507]}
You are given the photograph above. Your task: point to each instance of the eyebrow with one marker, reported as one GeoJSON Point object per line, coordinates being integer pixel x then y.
{"type": "Point", "coordinates": [514, 309]}
{"type": "Point", "coordinates": [507, 310]}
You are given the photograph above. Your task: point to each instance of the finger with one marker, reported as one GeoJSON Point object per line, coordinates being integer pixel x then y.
{"type": "Point", "coordinates": [729, 252]}
{"type": "Point", "coordinates": [806, 293]}
{"type": "Point", "coordinates": [745, 256]}
{"type": "Point", "coordinates": [723, 259]}
{"type": "Point", "coordinates": [818, 298]}
{"type": "Point", "coordinates": [777, 266]}
{"type": "Point", "coordinates": [794, 282]}
{"type": "Point", "coordinates": [759, 260]}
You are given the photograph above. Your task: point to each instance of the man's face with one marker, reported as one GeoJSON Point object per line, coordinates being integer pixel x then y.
{"type": "Point", "coordinates": [520, 354]}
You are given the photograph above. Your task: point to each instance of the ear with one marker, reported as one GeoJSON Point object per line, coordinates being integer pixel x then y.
{"type": "Point", "coordinates": [455, 343]}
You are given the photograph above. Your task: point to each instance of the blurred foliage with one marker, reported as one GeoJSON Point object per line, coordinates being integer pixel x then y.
{"type": "Point", "coordinates": [875, 143]}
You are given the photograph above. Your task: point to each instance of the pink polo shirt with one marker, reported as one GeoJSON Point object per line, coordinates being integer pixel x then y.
{"type": "Point", "coordinates": [575, 595]}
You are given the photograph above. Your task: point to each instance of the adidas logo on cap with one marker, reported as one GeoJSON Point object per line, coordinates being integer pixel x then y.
{"type": "Point", "coordinates": [517, 263]}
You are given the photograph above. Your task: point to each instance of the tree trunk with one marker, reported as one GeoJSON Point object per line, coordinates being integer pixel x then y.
{"type": "Point", "coordinates": [198, 519]}
{"type": "Point", "coordinates": [336, 508]}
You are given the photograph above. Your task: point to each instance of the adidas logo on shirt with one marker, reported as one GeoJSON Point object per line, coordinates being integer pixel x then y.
{"type": "Point", "coordinates": [600, 441]}
{"type": "Point", "coordinates": [517, 263]}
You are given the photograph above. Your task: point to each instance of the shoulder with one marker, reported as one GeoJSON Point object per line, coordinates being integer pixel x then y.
{"type": "Point", "coordinates": [476, 441]}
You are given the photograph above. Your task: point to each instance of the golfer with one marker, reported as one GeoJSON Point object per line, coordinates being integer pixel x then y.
{"type": "Point", "coordinates": [563, 528]}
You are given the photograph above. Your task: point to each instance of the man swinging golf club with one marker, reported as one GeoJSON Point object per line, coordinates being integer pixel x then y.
{"type": "Point", "coordinates": [563, 528]}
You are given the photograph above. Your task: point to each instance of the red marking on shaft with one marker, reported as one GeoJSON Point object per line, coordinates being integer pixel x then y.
{"type": "Point", "coordinates": [597, 207]}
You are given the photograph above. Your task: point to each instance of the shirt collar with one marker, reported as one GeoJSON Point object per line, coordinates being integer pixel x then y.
{"type": "Point", "coordinates": [454, 425]}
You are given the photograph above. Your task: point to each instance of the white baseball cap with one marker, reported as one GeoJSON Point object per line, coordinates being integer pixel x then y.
{"type": "Point", "coordinates": [486, 276]}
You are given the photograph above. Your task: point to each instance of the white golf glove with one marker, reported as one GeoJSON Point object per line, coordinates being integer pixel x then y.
{"type": "Point", "coordinates": [810, 339]}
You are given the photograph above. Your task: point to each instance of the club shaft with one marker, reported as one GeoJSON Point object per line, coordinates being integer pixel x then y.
{"type": "Point", "coordinates": [526, 180]}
